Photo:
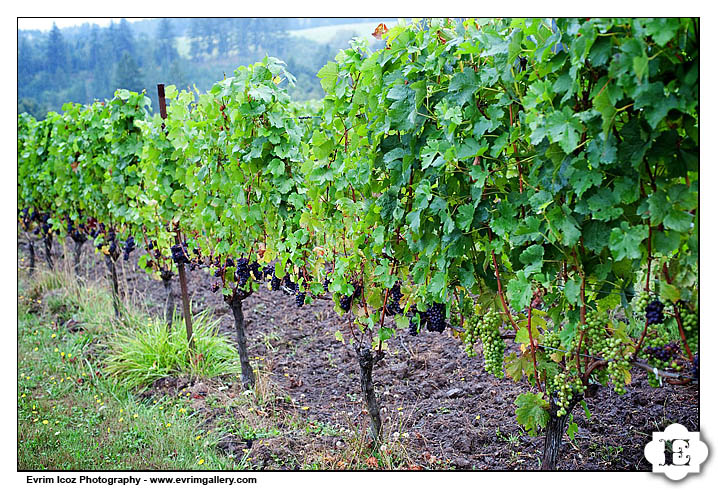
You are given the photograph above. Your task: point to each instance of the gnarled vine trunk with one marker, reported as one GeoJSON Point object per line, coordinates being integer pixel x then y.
{"type": "Point", "coordinates": [170, 301]}
{"type": "Point", "coordinates": [79, 242]}
{"type": "Point", "coordinates": [247, 376]}
{"type": "Point", "coordinates": [555, 428]}
{"type": "Point", "coordinates": [31, 251]}
{"type": "Point", "coordinates": [110, 262]}
{"type": "Point", "coordinates": [48, 250]}
{"type": "Point", "coordinates": [367, 359]}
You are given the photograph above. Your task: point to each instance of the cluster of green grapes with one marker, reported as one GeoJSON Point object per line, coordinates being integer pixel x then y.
{"type": "Point", "coordinates": [618, 363]}
{"type": "Point", "coordinates": [486, 328]}
{"type": "Point", "coordinates": [565, 387]}
{"type": "Point", "coordinates": [470, 336]}
{"type": "Point", "coordinates": [689, 318]}
{"type": "Point", "coordinates": [594, 331]}
{"type": "Point", "coordinates": [616, 370]}
{"type": "Point", "coordinates": [551, 340]}
{"type": "Point", "coordinates": [640, 301]}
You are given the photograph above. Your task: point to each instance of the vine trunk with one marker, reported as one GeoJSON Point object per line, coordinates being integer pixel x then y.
{"type": "Point", "coordinates": [367, 360]}
{"type": "Point", "coordinates": [247, 376]}
{"type": "Point", "coordinates": [555, 428]}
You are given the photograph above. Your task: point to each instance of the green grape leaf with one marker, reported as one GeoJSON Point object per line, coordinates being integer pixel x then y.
{"type": "Point", "coordinates": [531, 412]}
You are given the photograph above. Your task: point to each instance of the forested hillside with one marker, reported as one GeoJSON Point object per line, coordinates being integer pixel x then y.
{"type": "Point", "coordinates": [88, 62]}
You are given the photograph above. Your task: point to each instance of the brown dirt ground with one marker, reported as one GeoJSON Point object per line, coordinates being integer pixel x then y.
{"type": "Point", "coordinates": [449, 408]}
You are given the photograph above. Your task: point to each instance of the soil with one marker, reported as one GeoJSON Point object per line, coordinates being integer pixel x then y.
{"type": "Point", "coordinates": [442, 404]}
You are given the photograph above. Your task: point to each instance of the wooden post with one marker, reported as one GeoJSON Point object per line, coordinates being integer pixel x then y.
{"type": "Point", "coordinates": [180, 266]}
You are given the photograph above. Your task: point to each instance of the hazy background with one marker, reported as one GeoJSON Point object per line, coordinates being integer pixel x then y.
{"type": "Point", "coordinates": [80, 60]}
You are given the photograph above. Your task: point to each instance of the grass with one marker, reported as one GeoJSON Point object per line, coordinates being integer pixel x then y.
{"type": "Point", "coordinates": [82, 406]}
{"type": "Point", "coordinates": [72, 415]}
{"type": "Point", "coordinates": [149, 351]}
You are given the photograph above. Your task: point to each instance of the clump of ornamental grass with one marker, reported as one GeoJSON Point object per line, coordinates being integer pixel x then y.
{"type": "Point", "coordinates": [149, 350]}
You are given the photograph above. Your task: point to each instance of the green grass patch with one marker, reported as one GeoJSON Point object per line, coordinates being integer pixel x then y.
{"type": "Point", "coordinates": [148, 351]}
{"type": "Point", "coordinates": [73, 415]}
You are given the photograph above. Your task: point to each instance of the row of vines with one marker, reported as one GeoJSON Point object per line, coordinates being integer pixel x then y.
{"type": "Point", "coordinates": [524, 180]}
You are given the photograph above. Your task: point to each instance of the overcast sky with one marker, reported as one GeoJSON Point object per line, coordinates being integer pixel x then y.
{"type": "Point", "coordinates": [45, 24]}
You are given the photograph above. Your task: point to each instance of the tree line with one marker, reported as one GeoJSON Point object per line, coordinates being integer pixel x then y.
{"type": "Point", "coordinates": [89, 62]}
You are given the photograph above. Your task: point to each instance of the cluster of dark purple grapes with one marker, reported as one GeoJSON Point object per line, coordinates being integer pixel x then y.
{"type": "Point", "coordinates": [179, 255]}
{"type": "Point", "coordinates": [345, 301]}
{"type": "Point", "coordinates": [241, 275]}
{"type": "Point", "coordinates": [128, 248]}
{"type": "Point", "coordinates": [98, 230]}
{"type": "Point", "coordinates": [111, 238]}
{"type": "Point", "coordinates": [664, 353]}
{"type": "Point", "coordinates": [26, 218]}
{"type": "Point", "coordinates": [215, 286]}
{"type": "Point", "coordinates": [392, 306]}
{"type": "Point", "coordinates": [435, 317]}
{"type": "Point", "coordinates": [299, 297]}
{"type": "Point", "coordinates": [44, 224]}
{"type": "Point", "coordinates": [654, 312]}
{"type": "Point", "coordinates": [256, 270]}
{"type": "Point", "coordinates": [78, 234]}
{"type": "Point", "coordinates": [275, 283]}
{"type": "Point", "coordinates": [326, 284]}
{"type": "Point", "coordinates": [413, 324]}
{"type": "Point", "coordinates": [289, 284]}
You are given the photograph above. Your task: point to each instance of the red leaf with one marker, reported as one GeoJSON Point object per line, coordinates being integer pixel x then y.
{"type": "Point", "coordinates": [372, 462]}
{"type": "Point", "coordinates": [380, 30]}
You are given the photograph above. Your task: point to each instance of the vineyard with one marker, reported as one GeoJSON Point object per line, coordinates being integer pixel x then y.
{"type": "Point", "coordinates": [479, 250]}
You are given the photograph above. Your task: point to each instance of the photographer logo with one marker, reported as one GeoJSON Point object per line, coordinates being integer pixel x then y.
{"type": "Point", "coordinates": [676, 452]}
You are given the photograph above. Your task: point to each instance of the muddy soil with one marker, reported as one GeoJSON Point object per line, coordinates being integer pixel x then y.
{"type": "Point", "coordinates": [444, 403]}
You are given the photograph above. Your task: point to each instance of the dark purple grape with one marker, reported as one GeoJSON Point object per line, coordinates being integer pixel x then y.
{"type": "Point", "coordinates": [654, 312]}
{"type": "Point", "coordinates": [345, 302]}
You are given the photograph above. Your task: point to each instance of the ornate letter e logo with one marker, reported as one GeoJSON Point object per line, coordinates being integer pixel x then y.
{"type": "Point", "coordinates": [676, 452]}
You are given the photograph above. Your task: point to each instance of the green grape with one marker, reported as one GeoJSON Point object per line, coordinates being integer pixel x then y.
{"type": "Point", "coordinates": [551, 340]}
{"type": "Point", "coordinates": [565, 388]}
{"type": "Point", "coordinates": [594, 331]}
{"type": "Point", "coordinates": [641, 301]}
{"type": "Point", "coordinates": [487, 328]}
{"type": "Point", "coordinates": [469, 336]}
{"type": "Point", "coordinates": [689, 318]}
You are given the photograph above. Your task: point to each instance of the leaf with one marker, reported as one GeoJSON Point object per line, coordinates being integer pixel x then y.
{"type": "Point", "coordinates": [572, 429]}
{"type": "Point", "coordinates": [563, 128]}
{"type": "Point", "coordinates": [465, 216]}
{"type": "Point", "coordinates": [572, 291]}
{"type": "Point", "coordinates": [640, 66]}
{"type": "Point", "coordinates": [328, 76]}
{"type": "Point", "coordinates": [680, 221]}
{"type": "Point", "coordinates": [516, 366]}
{"type": "Point", "coordinates": [338, 336]}
{"type": "Point", "coordinates": [666, 242]}
{"type": "Point", "coordinates": [464, 84]}
{"type": "Point", "coordinates": [380, 30]}
{"type": "Point", "coordinates": [531, 412]}
{"type": "Point", "coordinates": [385, 333]}
{"type": "Point", "coordinates": [670, 292]}
{"type": "Point", "coordinates": [532, 257]}
{"type": "Point", "coordinates": [519, 291]}
{"type": "Point", "coordinates": [625, 241]}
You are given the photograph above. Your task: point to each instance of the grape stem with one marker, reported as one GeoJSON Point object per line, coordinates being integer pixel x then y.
{"type": "Point", "coordinates": [648, 290]}
{"type": "Point", "coordinates": [501, 290]}
{"type": "Point", "coordinates": [533, 350]}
